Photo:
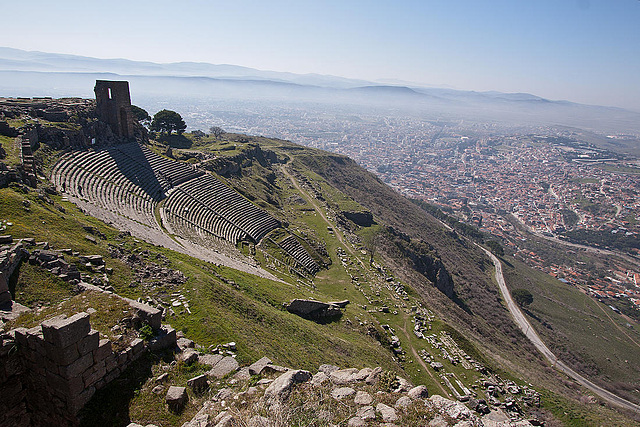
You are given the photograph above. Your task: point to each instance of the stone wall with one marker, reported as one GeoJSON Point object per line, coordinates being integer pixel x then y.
{"type": "Point", "coordinates": [51, 371]}
{"type": "Point", "coordinates": [113, 104]}
{"type": "Point", "coordinates": [9, 260]}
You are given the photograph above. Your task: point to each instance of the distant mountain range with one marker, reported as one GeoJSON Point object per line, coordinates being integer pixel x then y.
{"type": "Point", "coordinates": [25, 73]}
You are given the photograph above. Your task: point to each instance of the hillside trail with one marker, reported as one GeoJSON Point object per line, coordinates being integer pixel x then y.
{"type": "Point", "coordinates": [445, 393]}
{"type": "Point", "coordinates": [535, 339]}
{"type": "Point", "coordinates": [318, 209]}
{"type": "Point", "coordinates": [348, 247]}
{"type": "Point", "coordinates": [618, 326]}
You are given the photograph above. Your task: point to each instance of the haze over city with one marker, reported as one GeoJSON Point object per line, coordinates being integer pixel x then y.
{"type": "Point", "coordinates": [584, 51]}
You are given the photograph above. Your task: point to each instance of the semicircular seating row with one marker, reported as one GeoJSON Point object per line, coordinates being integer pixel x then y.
{"type": "Point", "coordinates": [292, 246]}
{"type": "Point", "coordinates": [131, 180]}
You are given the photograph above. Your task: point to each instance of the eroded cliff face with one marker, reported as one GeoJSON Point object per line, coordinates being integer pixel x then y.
{"type": "Point", "coordinates": [424, 260]}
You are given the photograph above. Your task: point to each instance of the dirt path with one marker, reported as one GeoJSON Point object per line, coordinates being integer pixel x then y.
{"type": "Point", "coordinates": [532, 335]}
{"type": "Point", "coordinates": [422, 362]}
{"type": "Point", "coordinates": [348, 247]}
{"type": "Point", "coordinates": [617, 326]}
{"type": "Point", "coordinates": [320, 212]}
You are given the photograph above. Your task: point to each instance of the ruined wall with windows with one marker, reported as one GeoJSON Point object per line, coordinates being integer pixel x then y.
{"type": "Point", "coordinates": [113, 105]}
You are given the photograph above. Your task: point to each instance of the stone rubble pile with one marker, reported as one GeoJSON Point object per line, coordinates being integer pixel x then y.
{"type": "Point", "coordinates": [352, 388]}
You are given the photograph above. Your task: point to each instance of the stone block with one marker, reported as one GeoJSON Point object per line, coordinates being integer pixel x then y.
{"type": "Point", "coordinates": [94, 375]}
{"type": "Point", "coordinates": [62, 356]}
{"type": "Point", "coordinates": [48, 365]}
{"type": "Point", "coordinates": [89, 343]}
{"type": "Point", "coordinates": [102, 351]}
{"type": "Point", "coordinates": [112, 375]}
{"type": "Point", "coordinates": [122, 358]}
{"type": "Point", "coordinates": [75, 386]}
{"type": "Point", "coordinates": [148, 314]}
{"type": "Point", "coordinates": [78, 367]}
{"type": "Point", "coordinates": [13, 366]}
{"type": "Point", "coordinates": [63, 332]}
{"type": "Point", "coordinates": [185, 343]}
{"type": "Point", "coordinates": [77, 403]}
{"type": "Point", "coordinates": [34, 338]}
{"type": "Point", "coordinates": [166, 338]}
{"type": "Point", "coordinates": [198, 383]}
{"type": "Point", "coordinates": [257, 367]}
{"type": "Point", "coordinates": [110, 362]}
{"type": "Point", "coordinates": [57, 384]}
{"type": "Point", "coordinates": [137, 346]}
{"type": "Point", "coordinates": [20, 335]}
{"type": "Point", "coordinates": [176, 397]}
{"type": "Point", "coordinates": [189, 356]}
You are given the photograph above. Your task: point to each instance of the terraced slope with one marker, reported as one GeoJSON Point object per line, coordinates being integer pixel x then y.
{"type": "Point", "coordinates": [126, 179]}
{"type": "Point", "coordinates": [130, 180]}
{"type": "Point", "coordinates": [205, 203]}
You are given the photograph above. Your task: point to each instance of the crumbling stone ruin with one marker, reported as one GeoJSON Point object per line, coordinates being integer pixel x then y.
{"type": "Point", "coordinates": [52, 370]}
{"type": "Point", "coordinates": [113, 106]}
{"type": "Point", "coordinates": [11, 255]}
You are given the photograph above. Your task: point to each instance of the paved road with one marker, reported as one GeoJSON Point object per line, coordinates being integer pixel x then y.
{"type": "Point", "coordinates": [525, 326]}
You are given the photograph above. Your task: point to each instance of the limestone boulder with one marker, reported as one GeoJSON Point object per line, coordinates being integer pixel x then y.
{"type": "Point", "coordinates": [257, 367]}
{"type": "Point", "coordinates": [189, 356]}
{"type": "Point", "coordinates": [366, 413]}
{"type": "Point", "coordinates": [342, 392]}
{"type": "Point", "coordinates": [314, 310]}
{"type": "Point", "coordinates": [387, 413]}
{"type": "Point", "coordinates": [280, 388]}
{"type": "Point", "coordinates": [363, 398]}
{"type": "Point", "coordinates": [176, 398]}
{"type": "Point", "coordinates": [344, 376]}
{"type": "Point", "coordinates": [225, 366]}
{"type": "Point", "coordinates": [198, 383]}
{"type": "Point", "coordinates": [418, 392]}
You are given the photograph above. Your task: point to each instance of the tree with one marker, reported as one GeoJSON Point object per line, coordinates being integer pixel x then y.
{"type": "Point", "coordinates": [168, 121]}
{"type": "Point", "coordinates": [370, 241]}
{"type": "Point", "coordinates": [495, 247]}
{"type": "Point", "coordinates": [216, 131]}
{"type": "Point", "coordinates": [522, 297]}
{"type": "Point", "coordinates": [140, 114]}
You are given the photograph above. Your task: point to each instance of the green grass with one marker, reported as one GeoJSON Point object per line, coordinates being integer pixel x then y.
{"type": "Point", "coordinates": [109, 311]}
{"type": "Point", "coordinates": [12, 150]}
{"type": "Point", "coordinates": [615, 168]}
{"type": "Point", "coordinates": [576, 329]}
{"type": "Point", "coordinates": [228, 305]}
{"type": "Point", "coordinates": [36, 285]}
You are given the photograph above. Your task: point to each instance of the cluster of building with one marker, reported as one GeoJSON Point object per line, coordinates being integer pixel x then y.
{"type": "Point", "coordinates": [548, 180]}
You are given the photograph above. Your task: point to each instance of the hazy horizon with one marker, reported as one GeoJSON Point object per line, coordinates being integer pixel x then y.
{"type": "Point", "coordinates": [584, 51]}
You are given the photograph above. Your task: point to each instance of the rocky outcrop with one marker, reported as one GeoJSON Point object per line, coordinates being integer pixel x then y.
{"type": "Point", "coordinates": [365, 401]}
{"type": "Point", "coordinates": [362, 218]}
{"type": "Point", "coordinates": [314, 310]}
{"type": "Point", "coordinates": [424, 260]}
{"type": "Point", "coordinates": [233, 165]}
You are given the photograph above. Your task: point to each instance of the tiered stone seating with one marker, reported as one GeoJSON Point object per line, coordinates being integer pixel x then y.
{"type": "Point", "coordinates": [208, 204]}
{"type": "Point", "coordinates": [292, 246]}
{"type": "Point", "coordinates": [129, 179]}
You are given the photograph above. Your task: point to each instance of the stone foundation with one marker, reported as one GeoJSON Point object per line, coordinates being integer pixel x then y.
{"type": "Point", "coordinates": [49, 372]}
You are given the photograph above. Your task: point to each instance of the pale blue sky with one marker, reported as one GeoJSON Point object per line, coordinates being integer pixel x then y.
{"type": "Point", "coordinates": [581, 50]}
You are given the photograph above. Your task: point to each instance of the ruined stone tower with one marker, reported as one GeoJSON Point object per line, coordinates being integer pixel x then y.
{"type": "Point", "coordinates": [113, 104]}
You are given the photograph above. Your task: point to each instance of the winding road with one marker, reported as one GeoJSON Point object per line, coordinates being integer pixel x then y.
{"type": "Point", "coordinates": [531, 334]}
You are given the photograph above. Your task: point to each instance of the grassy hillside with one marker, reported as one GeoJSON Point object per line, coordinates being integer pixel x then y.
{"type": "Point", "coordinates": [585, 334]}
{"type": "Point", "coordinates": [309, 191]}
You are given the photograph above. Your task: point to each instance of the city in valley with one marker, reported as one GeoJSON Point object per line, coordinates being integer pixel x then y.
{"type": "Point", "coordinates": [544, 192]}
